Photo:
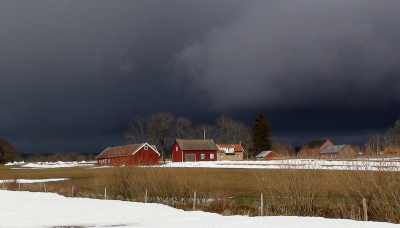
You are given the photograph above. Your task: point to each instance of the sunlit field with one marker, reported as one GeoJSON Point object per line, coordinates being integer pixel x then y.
{"type": "Point", "coordinates": [289, 187]}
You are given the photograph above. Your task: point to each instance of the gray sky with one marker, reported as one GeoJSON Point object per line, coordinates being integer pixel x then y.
{"type": "Point", "coordinates": [73, 73]}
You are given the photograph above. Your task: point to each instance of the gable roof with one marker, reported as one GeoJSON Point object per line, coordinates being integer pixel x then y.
{"type": "Point", "coordinates": [263, 154]}
{"type": "Point", "coordinates": [333, 149]}
{"type": "Point", "coordinates": [197, 144]}
{"type": "Point", "coordinates": [237, 147]}
{"type": "Point", "coordinates": [315, 143]}
{"type": "Point", "coordinates": [126, 150]}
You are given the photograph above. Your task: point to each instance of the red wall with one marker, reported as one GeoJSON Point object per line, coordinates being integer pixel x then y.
{"type": "Point", "coordinates": [142, 157]}
{"type": "Point", "coordinates": [177, 155]}
{"type": "Point", "coordinates": [272, 155]}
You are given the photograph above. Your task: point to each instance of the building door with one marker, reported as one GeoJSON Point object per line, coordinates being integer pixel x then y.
{"type": "Point", "coordinates": [190, 157]}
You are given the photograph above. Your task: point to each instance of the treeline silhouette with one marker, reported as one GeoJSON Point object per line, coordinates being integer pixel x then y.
{"type": "Point", "coordinates": [71, 156]}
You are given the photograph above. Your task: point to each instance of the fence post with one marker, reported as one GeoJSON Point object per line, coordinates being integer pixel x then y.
{"type": "Point", "coordinates": [145, 197]}
{"type": "Point", "coordinates": [19, 186]}
{"type": "Point", "coordinates": [72, 195]}
{"type": "Point", "coordinates": [105, 193]}
{"type": "Point", "coordinates": [45, 189]}
{"type": "Point", "coordinates": [364, 202]}
{"type": "Point", "coordinates": [262, 204]}
{"type": "Point", "coordinates": [194, 201]}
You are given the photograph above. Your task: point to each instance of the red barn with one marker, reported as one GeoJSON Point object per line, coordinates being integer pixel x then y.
{"type": "Point", "coordinates": [313, 148]}
{"type": "Point", "coordinates": [194, 150]}
{"type": "Point", "coordinates": [136, 154]}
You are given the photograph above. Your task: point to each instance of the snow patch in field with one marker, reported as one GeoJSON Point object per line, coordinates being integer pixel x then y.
{"type": "Point", "coordinates": [50, 165]}
{"type": "Point", "coordinates": [31, 181]}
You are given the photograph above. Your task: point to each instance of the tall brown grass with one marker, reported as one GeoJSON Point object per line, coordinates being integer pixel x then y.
{"type": "Point", "coordinates": [333, 194]}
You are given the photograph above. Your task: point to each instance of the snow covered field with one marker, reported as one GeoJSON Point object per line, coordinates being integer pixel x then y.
{"type": "Point", "coordinates": [49, 210]}
{"type": "Point", "coordinates": [384, 164]}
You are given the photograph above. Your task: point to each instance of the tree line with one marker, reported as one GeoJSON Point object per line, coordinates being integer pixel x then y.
{"type": "Point", "coordinates": [161, 129]}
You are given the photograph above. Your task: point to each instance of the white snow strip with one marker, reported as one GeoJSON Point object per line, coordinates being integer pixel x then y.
{"type": "Point", "coordinates": [39, 210]}
{"type": "Point", "coordinates": [31, 181]}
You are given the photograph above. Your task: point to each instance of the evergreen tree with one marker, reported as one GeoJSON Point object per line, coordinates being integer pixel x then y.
{"type": "Point", "coordinates": [261, 134]}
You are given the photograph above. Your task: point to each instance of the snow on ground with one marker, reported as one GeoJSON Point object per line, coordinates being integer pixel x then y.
{"type": "Point", "coordinates": [392, 164]}
{"type": "Point", "coordinates": [31, 181]}
{"type": "Point", "coordinates": [35, 209]}
{"type": "Point", "coordinates": [49, 165]}
{"type": "Point", "coordinates": [384, 164]}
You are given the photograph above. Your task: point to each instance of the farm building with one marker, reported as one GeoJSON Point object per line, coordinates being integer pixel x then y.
{"type": "Point", "coordinates": [230, 152]}
{"type": "Point", "coordinates": [270, 154]}
{"type": "Point", "coordinates": [136, 154]}
{"type": "Point", "coordinates": [393, 151]}
{"type": "Point", "coordinates": [194, 150]}
{"type": "Point", "coordinates": [338, 151]}
{"type": "Point", "coordinates": [314, 148]}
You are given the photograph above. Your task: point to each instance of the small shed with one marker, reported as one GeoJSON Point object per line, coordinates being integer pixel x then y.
{"type": "Point", "coordinates": [185, 150]}
{"type": "Point", "coordinates": [270, 154]}
{"type": "Point", "coordinates": [135, 154]}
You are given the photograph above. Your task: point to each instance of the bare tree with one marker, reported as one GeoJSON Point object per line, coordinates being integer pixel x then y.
{"type": "Point", "coordinates": [230, 131]}
{"type": "Point", "coordinates": [159, 128]}
{"type": "Point", "coordinates": [183, 128]}
{"type": "Point", "coordinates": [137, 130]}
{"type": "Point", "coordinates": [376, 144]}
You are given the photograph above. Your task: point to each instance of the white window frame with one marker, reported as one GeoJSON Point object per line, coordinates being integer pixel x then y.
{"type": "Point", "coordinates": [202, 156]}
{"type": "Point", "coordinates": [211, 156]}
{"type": "Point", "coordinates": [146, 147]}
{"type": "Point", "coordinates": [221, 155]}
{"type": "Point", "coordinates": [238, 155]}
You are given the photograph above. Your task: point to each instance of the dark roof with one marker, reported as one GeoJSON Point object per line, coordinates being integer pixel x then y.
{"type": "Point", "coordinates": [333, 149]}
{"type": "Point", "coordinates": [126, 150]}
{"type": "Point", "coordinates": [197, 144]}
{"type": "Point", "coordinates": [315, 143]}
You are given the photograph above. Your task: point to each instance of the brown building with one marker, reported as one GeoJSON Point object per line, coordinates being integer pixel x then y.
{"type": "Point", "coordinates": [313, 148]}
{"type": "Point", "coordinates": [338, 151]}
{"type": "Point", "coordinates": [136, 154]}
{"type": "Point", "coordinates": [393, 151]}
{"type": "Point", "coordinates": [194, 150]}
{"type": "Point", "coordinates": [264, 155]}
{"type": "Point", "coordinates": [230, 152]}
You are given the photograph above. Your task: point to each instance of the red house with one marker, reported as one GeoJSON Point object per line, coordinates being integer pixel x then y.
{"type": "Point", "coordinates": [194, 150]}
{"type": "Point", "coordinates": [136, 154]}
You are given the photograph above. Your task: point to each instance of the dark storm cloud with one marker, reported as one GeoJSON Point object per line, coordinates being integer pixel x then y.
{"type": "Point", "coordinates": [302, 53]}
{"type": "Point", "coordinates": [86, 67]}
{"type": "Point", "coordinates": [77, 71]}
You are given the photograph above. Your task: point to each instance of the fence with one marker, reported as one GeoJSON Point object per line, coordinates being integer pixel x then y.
{"type": "Point", "coordinates": [196, 202]}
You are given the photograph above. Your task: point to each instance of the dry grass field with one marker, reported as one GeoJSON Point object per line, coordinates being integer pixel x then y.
{"type": "Point", "coordinates": [327, 193]}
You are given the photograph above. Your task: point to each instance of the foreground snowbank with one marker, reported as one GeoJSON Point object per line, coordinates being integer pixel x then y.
{"type": "Point", "coordinates": [28, 209]}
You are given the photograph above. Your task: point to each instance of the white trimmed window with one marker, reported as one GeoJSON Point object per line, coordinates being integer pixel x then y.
{"type": "Point", "coordinates": [176, 148]}
{"type": "Point", "coordinates": [238, 155]}
{"type": "Point", "coordinates": [221, 155]}
{"type": "Point", "coordinates": [202, 156]}
{"type": "Point", "coordinates": [146, 147]}
{"type": "Point", "coordinates": [211, 156]}
{"type": "Point", "coordinates": [231, 156]}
